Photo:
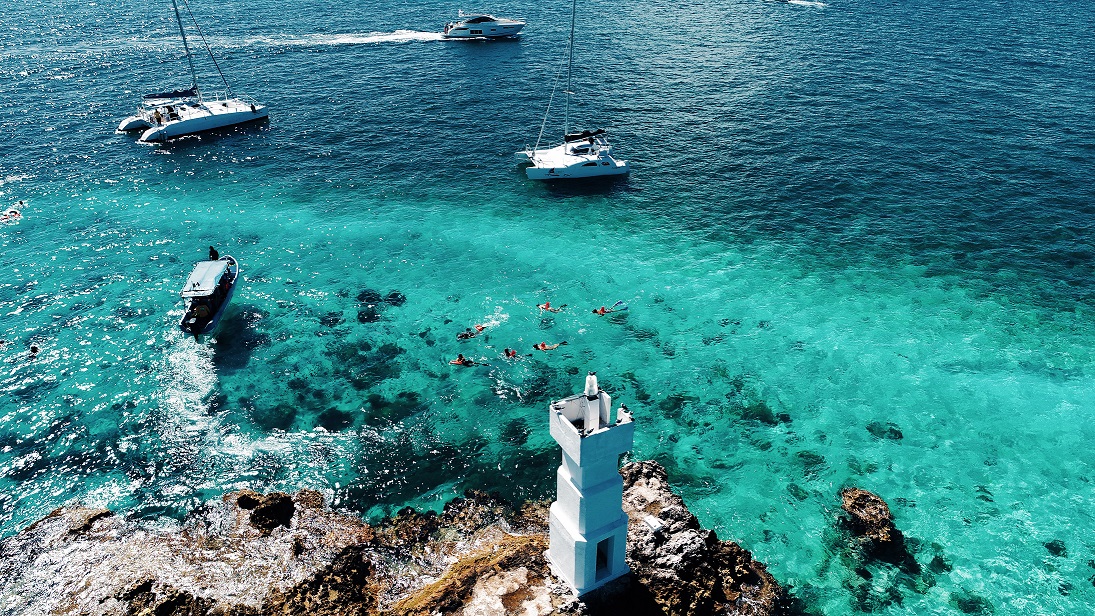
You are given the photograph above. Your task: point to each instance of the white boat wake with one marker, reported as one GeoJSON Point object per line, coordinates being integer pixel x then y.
{"type": "Point", "coordinates": [370, 38]}
{"type": "Point", "coordinates": [807, 3]}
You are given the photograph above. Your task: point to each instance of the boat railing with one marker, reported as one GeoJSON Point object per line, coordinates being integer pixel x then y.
{"type": "Point", "coordinates": [223, 96]}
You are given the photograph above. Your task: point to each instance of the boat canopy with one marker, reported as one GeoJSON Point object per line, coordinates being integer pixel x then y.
{"type": "Point", "coordinates": [478, 19]}
{"type": "Point", "coordinates": [586, 134]}
{"type": "Point", "coordinates": [190, 93]}
{"type": "Point", "coordinates": [203, 280]}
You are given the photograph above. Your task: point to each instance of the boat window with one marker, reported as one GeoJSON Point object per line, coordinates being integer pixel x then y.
{"type": "Point", "coordinates": [478, 20]}
{"type": "Point", "coordinates": [605, 163]}
{"type": "Point", "coordinates": [591, 164]}
{"type": "Point", "coordinates": [476, 31]}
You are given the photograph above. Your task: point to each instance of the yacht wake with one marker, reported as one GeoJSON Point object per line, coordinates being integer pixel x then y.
{"type": "Point", "coordinates": [807, 3]}
{"type": "Point", "coordinates": [370, 38]}
{"type": "Point", "coordinates": [187, 378]}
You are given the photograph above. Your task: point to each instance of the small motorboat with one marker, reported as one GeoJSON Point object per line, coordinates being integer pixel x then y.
{"type": "Point", "coordinates": [482, 26]}
{"type": "Point", "coordinates": [207, 292]}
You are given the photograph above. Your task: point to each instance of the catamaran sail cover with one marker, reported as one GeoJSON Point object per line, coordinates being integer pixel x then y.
{"type": "Point", "coordinates": [203, 280]}
{"type": "Point", "coordinates": [586, 134]}
{"type": "Point", "coordinates": [191, 93]}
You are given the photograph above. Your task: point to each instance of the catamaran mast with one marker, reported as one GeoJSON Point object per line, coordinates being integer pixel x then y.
{"type": "Point", "coordinates": [193, 73]}
{"type": "Point", "coordinates": [570, 63]}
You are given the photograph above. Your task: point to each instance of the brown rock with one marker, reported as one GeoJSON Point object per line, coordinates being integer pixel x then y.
{"type": "Point", "coordinates": [454, 589]}
{"type": "Point", "coordinates": [871, 525]}
{"type": "Point", "coordinates": [347, 586]}
{"type": "Point", "coordinates": [273, 510]}
{"type": "Point", "coordinates": [246, 499]}
{"type": "Point", "coordinates": [146, 597]}
{"type": "Point", "coordinates": [82, 520]}
{"type": "Point", "coordinates": [310, 499]}
{"type": "Point", "coordinates": [480, 555]}
{"type": "Point", "coordinates": [683, 569]}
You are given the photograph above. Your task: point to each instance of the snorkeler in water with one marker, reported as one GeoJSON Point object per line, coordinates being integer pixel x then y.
{"type": "Point", "coordinates": [543, 346]}
{"type": "Point", "coordinates": [617, 307]}
{"type": "Point", "coordinates": [470, 333]}
{"type": "Point", "coordinates": [462, 361]}
{"type": "Point", "coordinates": [547, 306]}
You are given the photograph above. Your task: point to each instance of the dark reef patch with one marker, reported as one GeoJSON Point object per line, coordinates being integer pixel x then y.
{"type": "Point", "coordinates": [334, 420]}
{"type": "Point", "coordinates": [369, 314]}
{"type": "Point", "coordinates": [369, 297]}
{"type": "Point", "coordinates": [673, 405]}
{"type": "Point", "coordinates": [516, 432]}
{"type": "Point", "coordinates": [1057, 548]}
{"type": "Point", "coordinates": [405, 404]}
{"type": "Point", "coordinates": [331, 319]}
{"type": "Point", "coordinates": [888, 430]}
{"type": "Point", "coordinates": [279, 417]}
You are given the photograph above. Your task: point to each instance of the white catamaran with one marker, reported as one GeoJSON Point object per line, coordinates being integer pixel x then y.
{"type": "Point", "coordinates": [166, 115]}
{"type": "Point", "coordinates": [582, 154]}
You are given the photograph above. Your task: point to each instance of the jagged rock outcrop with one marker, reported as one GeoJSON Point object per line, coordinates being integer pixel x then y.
{"type": "Point", "coordinates": [252, 554]}
{"type": "Point", "coordinates": [871, 526]}
{"type": "Point", "coordinates": [682, 567]}
{"type": "Point", "coordinates": [271, 511]}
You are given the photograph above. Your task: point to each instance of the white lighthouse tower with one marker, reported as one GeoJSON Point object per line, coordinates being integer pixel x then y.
{"type": "Point", "coordinates": [587, 525]}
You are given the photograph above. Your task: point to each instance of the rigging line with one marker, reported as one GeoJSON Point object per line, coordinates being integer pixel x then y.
{"type": "Point", "coordinates": [186, 46]}
{"type": "Point", "coordinates": [547, 112]}
{"type": "Point", "coordinates": [570, 64]}
{"type": "Point", "coordinates": [227, 87]}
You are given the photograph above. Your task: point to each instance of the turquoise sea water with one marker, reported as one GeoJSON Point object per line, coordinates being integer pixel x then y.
{"type": "Point", "coordinates": [855, 246]}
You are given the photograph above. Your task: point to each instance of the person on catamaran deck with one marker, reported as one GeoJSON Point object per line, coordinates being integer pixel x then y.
{"type": "Point", "coordinates": [213, 254]}
{"type": "Point", "coordinates": [547, 306]}
{"type": "Point", "coordinates": [543, 346]}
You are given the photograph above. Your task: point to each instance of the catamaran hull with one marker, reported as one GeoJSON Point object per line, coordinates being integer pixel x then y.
{"type": "Point", "coordinates": [578, 171]}
{"type": "Point", "coordinates": [133, 123]}
{"type": "Point", "coordinates": [207, 117]}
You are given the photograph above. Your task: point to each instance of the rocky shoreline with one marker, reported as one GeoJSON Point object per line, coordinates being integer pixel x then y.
{"type": "Point", "coordinates": [280, 554]}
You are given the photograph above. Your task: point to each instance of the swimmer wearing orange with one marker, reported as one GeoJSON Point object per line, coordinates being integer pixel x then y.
{"type": "Point", "coordinates": [543, 346]}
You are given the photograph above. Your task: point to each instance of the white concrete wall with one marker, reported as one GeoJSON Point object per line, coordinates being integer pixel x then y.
{"type": "Point", "coordinates": [574, 556]}
{"type": "Point", "coordinates": [588, 508]}
{"type": "Point", "coordinates": [593, 507]}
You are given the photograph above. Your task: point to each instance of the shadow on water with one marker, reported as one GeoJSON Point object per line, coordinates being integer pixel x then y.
{"type": "Point", "coordinates": [587, 187]}
{"type": "Point", "coordinates": [238, 337]}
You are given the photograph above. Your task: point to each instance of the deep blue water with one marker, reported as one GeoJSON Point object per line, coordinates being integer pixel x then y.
{"type": "Point", "coordinates": [855, 245]}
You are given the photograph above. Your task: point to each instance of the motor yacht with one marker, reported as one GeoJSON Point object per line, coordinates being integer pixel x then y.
{"type": "Point", "coordinates": [482, 27]}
